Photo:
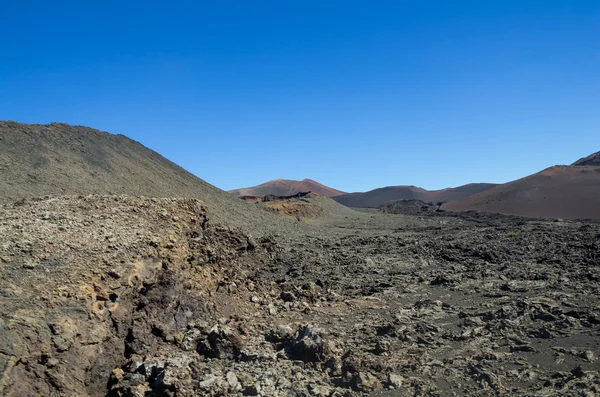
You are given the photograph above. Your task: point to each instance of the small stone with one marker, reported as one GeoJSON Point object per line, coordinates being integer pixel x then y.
{"type": "Point", "coordinates": [232, 381]}
{"type": "Point", "coordinates": [208, 382]}
{"type": "Point", "coordinates": [589, 355]}
{"type": "Point", "coordinates": [267, 390]}
{"type": "Point", "coordinates": [221, 342]}
{"type": "Point", "coordinates": [279, 334]}
{"type": "Point", "coordinates": [395, 380]}
{"type": "Point", "coordinates": [382, 346]}
{"type": "Point", "coordinates": [284, 383]}
{"type": "Point", "coordinates": [253, 390]}
{"type": "Point", "coordinates": [320, 390]}
{"type": "Point", "coordinates": [118, 373]}
{"type": "Point", "coordinates": [578, 372]}
{"type": "Point", "coordinates": [365, 382]}
{"type": "Point", "coordinates": [245, 379]}
{"type": "Point", "coordinates": [29, 264]}
{"type": "Point", "coordinates": [309, 345]}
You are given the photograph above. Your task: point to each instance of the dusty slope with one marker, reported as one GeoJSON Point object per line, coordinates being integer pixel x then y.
{"type": "Point", "coordinates": [60, 159]}
{"type": "Point", "coordinates": [287, 187]}
{"type": "Point", "coordinates": [377, 197]}
{"type": "Point", "coordinates": [570, 192]}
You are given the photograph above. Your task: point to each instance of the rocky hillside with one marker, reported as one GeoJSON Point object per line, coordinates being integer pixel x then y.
{"type": "Point", "coordinates": [378, 197]}
{"type": "Point", "coordinates": [60, 159]}
{"type": "Point", "coordinates": [287, 187]}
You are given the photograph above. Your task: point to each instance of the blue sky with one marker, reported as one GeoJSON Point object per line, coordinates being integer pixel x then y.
{"type": "Point", "coordinates": [353, 94]}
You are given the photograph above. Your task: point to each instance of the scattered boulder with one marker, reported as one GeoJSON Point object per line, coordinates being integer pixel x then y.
{"type": "Point", "coordinates": [395, 380]}
{"type": "Point", "coordinates": [221, 341]}
{"type": "Point", "coordinates": [232, 382]}
{"type": "Point", "coordinates": [309, 344]}
{"type": "Point", "coordinates": [365, 382]}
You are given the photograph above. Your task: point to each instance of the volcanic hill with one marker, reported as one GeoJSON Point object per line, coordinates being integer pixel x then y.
{"type": "Point", "coordinates": [60, 159]}
{"type": "Point", "coordinates": [570, 192]}
{"type": "Point", "coordinates": [592, 159]}
{"type": "Point", "coordinates": [287, 187]}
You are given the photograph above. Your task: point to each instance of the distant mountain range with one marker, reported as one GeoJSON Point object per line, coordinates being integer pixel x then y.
{"type": "Point", "coordinates": [286, 187]}
{"type": "Point", "coordinates": [569, 192]}
{"type": "Point", "coordinates": [59, 159]}
{"type": "Point", "coordinates": [377, 197]}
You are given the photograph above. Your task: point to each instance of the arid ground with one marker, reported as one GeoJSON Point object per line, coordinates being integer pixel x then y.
{"type": "Point", "coordinates": [111, 295]}
{"type": "Point", "coordinates": [176, 288]}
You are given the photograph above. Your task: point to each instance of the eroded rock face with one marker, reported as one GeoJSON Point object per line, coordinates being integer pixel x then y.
{"type": "Point", "coordinates": [118, 286]}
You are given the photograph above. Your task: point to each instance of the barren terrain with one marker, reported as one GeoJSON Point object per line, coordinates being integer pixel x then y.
{"type": "Point", "coordinates": [158, 300]}
{"type": "Point", "coordinates": [208, 295]}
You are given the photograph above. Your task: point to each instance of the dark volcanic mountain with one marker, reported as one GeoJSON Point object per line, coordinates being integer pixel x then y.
{"type": "Point", "coordinates": [570, 192]}
{"type": "Point", "coordinates": [287, 187]}
{"type": "Point", "coordinates": [60, 159]}
{"type": "Point", "coordinates": [592, 159]}
{"type": "Point", "coordinates": [377, 197]}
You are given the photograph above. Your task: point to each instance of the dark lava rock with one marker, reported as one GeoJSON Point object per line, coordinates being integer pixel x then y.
{"type": "Point", "coordinates": [308, 345]}
{"type": "Point", "coordinates": [221, 342]}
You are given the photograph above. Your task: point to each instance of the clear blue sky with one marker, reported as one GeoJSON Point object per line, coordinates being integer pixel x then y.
{"type": "Point", "coordinates": [354, 94]}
